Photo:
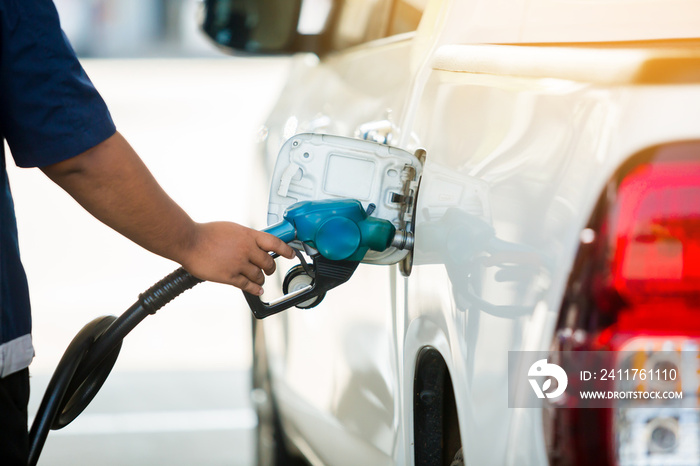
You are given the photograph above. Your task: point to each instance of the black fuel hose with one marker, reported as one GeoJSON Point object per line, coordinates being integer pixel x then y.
{"type": "Point", "coordinates": [89, 358]}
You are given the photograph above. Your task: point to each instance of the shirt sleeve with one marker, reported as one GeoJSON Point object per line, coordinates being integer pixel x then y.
{"type": "Point", "coordinates": [49, 109]}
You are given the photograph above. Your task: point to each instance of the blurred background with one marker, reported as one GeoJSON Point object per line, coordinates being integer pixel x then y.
{"type": "Point", "coordinates": [179, 394]}
{"type": "Point", "coordinates": [134, 28]}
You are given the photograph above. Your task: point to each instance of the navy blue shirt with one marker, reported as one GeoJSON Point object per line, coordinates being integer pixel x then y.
{"type": "Point", "coordinates": [49, 112]}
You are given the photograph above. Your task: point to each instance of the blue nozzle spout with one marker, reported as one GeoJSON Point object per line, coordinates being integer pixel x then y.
{"type": "Point", "coordinates": [284, 230]}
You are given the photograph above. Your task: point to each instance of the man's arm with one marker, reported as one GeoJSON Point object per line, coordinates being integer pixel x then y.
{"type": "Point", "coordinates": [112, 183]}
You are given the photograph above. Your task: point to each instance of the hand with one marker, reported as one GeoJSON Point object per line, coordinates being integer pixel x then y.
{"type": "Point", "coordinates": [229, 253]}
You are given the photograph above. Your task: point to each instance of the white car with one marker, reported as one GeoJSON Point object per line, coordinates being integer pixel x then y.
{"type": "Point", "coordinates": [558, 209]}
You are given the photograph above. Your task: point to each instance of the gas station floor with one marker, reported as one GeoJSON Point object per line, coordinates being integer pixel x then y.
{"type": "Point", "coordinates": [162, 417]}
{"type": "Point", "coordinates": [179, 392]}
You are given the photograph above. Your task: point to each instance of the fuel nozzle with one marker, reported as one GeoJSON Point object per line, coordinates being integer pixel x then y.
{"type": "Point", "coordinates": [403, 240]}
{"type": "Point", "coordinates": [340, 232]}
{"type": "Point", "coordinates": [337, 229]}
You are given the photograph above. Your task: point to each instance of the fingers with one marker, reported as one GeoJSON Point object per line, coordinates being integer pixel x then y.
{"type": "Point", "coordinates": [264, 261]}
{"type": "Point", "coordinates": [253, 274]}
{"type": "Point", "coordinates": [270, 242]}
{"type": "Point", "coordinates": [252, 278]}
{"type": "Point", "coordinates": [248, 286]}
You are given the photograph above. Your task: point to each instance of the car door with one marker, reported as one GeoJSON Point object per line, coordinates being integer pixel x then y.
{"type": "Point", "coordinates": [334, 368]}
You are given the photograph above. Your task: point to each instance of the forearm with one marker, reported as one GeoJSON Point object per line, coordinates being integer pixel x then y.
{"type": "Point", "coordinates": [112, 183]}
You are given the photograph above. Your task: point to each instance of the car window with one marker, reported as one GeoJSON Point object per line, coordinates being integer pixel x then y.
{"type": "Point", "coordinates": [360, 21]}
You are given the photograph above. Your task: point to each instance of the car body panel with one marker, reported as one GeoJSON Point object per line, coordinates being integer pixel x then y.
{"type": "Point", "coordinates": [544, 148]}
{"type": "Point", "coordinates": [562, 21]}
{"type": "Point", "coordinates": [520, 142]}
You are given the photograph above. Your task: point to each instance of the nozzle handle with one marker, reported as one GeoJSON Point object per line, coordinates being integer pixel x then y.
{"type": "Point", "coordinates": [328, 275]}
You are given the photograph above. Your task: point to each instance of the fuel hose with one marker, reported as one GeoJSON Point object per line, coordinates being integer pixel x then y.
{"type": "Point", "coordinates": [89, 359]}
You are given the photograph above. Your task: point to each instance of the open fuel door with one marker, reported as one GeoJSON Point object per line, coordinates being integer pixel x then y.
{"type": "Point", "coordinates": [317, 166]}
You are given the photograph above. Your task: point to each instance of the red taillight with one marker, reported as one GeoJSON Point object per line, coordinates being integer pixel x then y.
{"type": "Point", "coordinates": [653, 249]}
{"type": "Point", "coordinates": [657, 232]}
{"type": "Point", "coordinates": [635, 287]}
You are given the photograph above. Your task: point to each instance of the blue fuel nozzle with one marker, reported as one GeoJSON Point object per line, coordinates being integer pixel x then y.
{"type": "Point", "coordinates": [337, 229]}
{"type": "Point", "coordinates": [341, 231]}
